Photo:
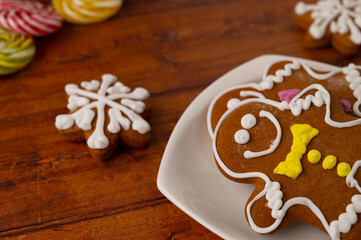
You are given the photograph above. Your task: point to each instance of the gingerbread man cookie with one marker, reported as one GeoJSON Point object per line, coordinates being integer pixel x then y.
{"type": "Point", "coordinates": [295, 135]}
{"type": "Point", "coordinates": [105, 114]}
{"type": "Point", "coordinates": [335, 22]}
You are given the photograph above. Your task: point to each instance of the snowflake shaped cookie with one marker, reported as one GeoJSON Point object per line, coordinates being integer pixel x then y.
{"type": "Point", "coordinates": [105, 113]}
{"type": "Point", "coordinates": [331, 21]}
{"type": "Point", "coordinates": [295, 135]}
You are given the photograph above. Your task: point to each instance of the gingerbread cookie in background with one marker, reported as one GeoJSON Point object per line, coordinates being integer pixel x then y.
{"type": "Point", "coordinates": [335, 22]}
{"type": "Point", "coordinates": [29, 17]}
{"type": "Point", "coordinates": [301, 151]}
{"type": "Point", "coordinates": [106, 114]}
{"type": "Point", "coordinates": [16, 51]}
{"type": "Point", "coordinates": [87, 11]}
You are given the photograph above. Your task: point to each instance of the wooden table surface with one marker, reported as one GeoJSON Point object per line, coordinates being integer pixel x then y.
{"type": "Point", "coordinates": [53, 189]}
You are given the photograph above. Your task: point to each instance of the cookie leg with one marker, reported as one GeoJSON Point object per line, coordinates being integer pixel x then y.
{"type": "Point", "coordinates": [74, 134]}
{"type": "Point", "coordinates": [134, 139]}
{"type": "Point", "coordinates": [304, 22]}
{"type": "Point", "coordinates": [344, 45]}
{"type": "Point", "coordinates": [311, 42]}
{"type": "Point", "coordinates": [103, 154]}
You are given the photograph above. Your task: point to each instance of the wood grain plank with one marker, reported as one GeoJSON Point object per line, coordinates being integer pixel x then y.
{"type": "Point", "coordinates": [166, 223]}
{"type": "Point", "coordinates": [174, 49]}
{"type": "Point", "coordinates": [47, 183]}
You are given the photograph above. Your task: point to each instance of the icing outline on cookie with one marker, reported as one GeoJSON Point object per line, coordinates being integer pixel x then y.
{"type": "Point", "coordinates": [351, 72]}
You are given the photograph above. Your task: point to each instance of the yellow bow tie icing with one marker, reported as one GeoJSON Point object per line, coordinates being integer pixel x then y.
{"type": "Point", "coordinates": [16, 51]}
{"type": "Point", "coordinates": [87, 11]}
{"type": "Point", "coordinates": [302, 135]}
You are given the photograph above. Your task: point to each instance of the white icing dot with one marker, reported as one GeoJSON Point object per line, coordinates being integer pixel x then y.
{"type": "Point", "coordinates": [356, 200]}
{"type": "Point", "coordinates": [300, 8]}
{"type": "Point", "coordinates": [141, 126]}
{"type": "Point", "coordinates": [242, 136]}
{"type": "Point", "coordinates": [248, 121]}
{"type": "Point", "coordinates": [64, 122]}
{"type": "Point", "coordinates": [232, 103]}
{"type": "Point", "coordinates": [70, 87]}
{"type": "Point", "coordinates": [140, 93]}
{"type": "Point", "coordinates": [98, 141]}
{"type": "Point", "coordinates": [109, 78]}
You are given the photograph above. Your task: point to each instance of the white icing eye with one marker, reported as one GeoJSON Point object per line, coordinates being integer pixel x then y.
{"type": "Point", "coordinates": [248, 121]}
{"type": "Point", "coordinates": [242, 136]}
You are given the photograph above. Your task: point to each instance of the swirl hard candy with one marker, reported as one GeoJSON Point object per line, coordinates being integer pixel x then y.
{"type": "Point", "coordinates": [87, 11]}
{"type": "Point", "coordinates": [29, 17]}
{"type": "Point", "coordinates": [16, 51]}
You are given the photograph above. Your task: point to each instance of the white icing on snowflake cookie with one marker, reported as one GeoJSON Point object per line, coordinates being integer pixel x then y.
{"type": "Point", "coordinates": [111, 104]}
{"type": "Point", "coordinates": [341, 17]}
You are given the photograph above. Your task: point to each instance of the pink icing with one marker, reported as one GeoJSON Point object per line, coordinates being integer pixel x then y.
{"type": "Point", "coordinates": [346, 105]}
{"type": "Point", "coordinates": [288, 95]}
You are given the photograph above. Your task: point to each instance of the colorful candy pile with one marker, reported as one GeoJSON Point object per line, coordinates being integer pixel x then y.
{"type": "Point", "coordinates": [20, 20]}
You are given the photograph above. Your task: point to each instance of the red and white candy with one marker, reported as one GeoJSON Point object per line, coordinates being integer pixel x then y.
{"type": "Point", "coordinates": [28, 17]}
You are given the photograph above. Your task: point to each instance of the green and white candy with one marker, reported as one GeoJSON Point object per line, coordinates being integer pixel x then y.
{"type": "Point", "coordinates": [16, 51]}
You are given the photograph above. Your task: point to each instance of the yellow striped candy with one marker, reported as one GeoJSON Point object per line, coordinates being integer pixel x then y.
{"type": "Point", "coordinates": [86, 11]}
{"type": "Point", "coordinates": [16, 51]}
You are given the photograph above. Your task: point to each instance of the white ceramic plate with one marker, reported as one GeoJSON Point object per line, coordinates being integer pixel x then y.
{"type": "Point", "coordinates": [188, 175]}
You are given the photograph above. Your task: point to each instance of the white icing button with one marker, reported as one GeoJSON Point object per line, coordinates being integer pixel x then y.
{"type": "Point", "coordinates": [242, 136]}
{"type": "Point", "coordinates": [232, 103]}
{"type": "Point", "coordinates": [248, 121]}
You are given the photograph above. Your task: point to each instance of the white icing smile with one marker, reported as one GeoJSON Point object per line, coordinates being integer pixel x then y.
{"type": "Point", "coordinates": [249, 121]}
